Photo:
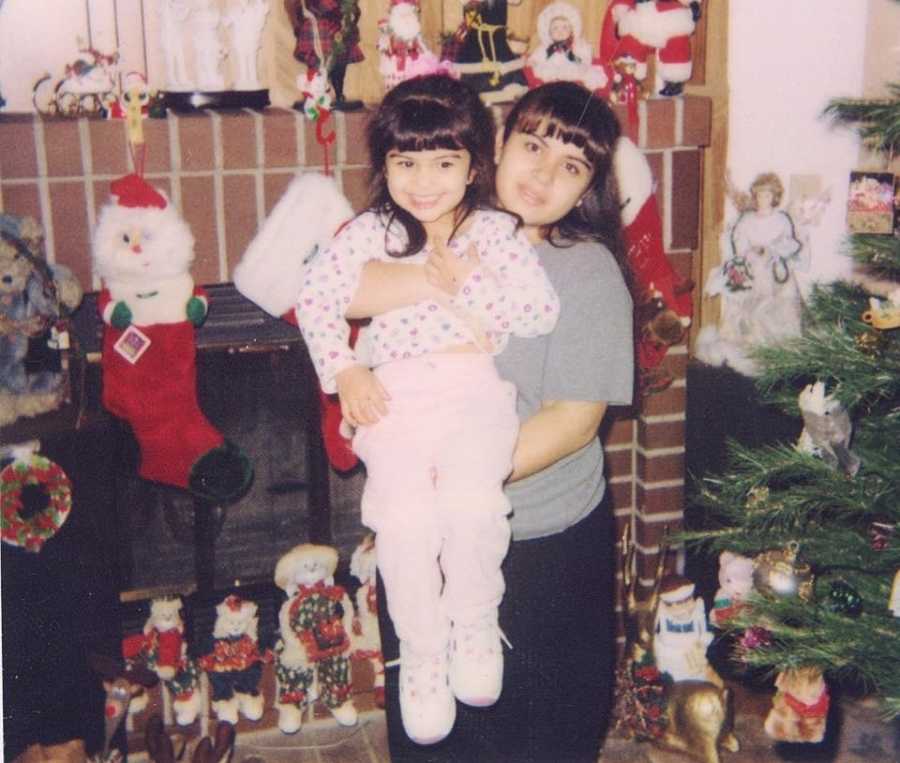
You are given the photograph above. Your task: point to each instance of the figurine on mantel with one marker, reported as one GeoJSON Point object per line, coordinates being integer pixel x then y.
{"type": "Point", "coordinates": [173, 20]}
{"type": "Point", "coordinates": [634, 29]}
{"type": "Point", "coordinates": [209, 51]}
{"type": "Point", "coordinates": [327, 33]}
{"type": "Point", "coordinates": [244, 21]}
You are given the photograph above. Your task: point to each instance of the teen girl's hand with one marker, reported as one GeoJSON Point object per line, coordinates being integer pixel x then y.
{"type": "Point", "coordinates": [363, 398]}
{"type": "Point", "coordinates": [447, 272]}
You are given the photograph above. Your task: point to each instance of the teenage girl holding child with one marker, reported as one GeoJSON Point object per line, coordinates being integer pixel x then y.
{"type": "Point", "coordinates": [553, 171]}
{"type": "Point", "coordinates": [435, 423]}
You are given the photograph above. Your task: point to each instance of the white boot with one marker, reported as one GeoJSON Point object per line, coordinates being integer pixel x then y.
{"type": "Point", "coordinates": [345, 714]}
{"type": "Point", "coordinates": [226, 710]}
{"type": "Point", "coordinates": [290, 718]}
{"type": "Point", "coordinates": [427, 706]}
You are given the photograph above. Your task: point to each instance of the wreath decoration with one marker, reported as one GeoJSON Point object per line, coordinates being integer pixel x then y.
{"type": "Point", "coordinates": [35, 501]}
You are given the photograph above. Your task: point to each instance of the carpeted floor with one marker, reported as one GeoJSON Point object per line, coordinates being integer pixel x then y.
{"type": "Point", "coordinates": [856, 735]}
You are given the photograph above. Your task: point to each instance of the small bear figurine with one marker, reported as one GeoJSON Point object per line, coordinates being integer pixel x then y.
{"type": "Point", "coordinates": [233, 661]}
{"type": "Point", "coordinates": [800, 707]}
{"type": "Point", "coordinates": [162, 647]}
{"type": "Point", "coordinates": [312, 656]}
{"type": "Point", "coordinates": [366, 637]}
{"type": "Point", "coordinates": [735, 584]}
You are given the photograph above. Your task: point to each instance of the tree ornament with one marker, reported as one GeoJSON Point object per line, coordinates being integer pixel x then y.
{"type": "Point", "coordinates": [844, 599]}
{"type": "Point", "coordinates": [871, 343]}
{"type": "Point", "coordinates": [880, 535]}
{"type": "Point", "coordinates": [757, 498]}
{"type": "Point", "coordinates": [827, 429]}
{"type": "Point", "coordinates": [884, 314]}
{"type": "Point", "coordinates": [35, 501]}
{"type": "Point", "coordinates": [755, 637]}
{"type": "Point", "coordinates": [779, 574]}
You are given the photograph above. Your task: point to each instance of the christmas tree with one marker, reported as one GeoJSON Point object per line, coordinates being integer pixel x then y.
{"type": "Point", "coordinates": [819, 516]}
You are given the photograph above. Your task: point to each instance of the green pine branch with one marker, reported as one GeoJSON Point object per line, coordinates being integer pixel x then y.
{"type": "Point", "coordinates": [877, 121]}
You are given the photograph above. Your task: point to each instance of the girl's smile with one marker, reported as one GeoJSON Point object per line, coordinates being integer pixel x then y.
{"type": "Point", "coordinates": [430, 185]}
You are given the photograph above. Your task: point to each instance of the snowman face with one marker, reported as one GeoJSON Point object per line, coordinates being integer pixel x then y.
{"type": "Point", "coordinates": [164, 615]}
{"type": "Point", "coordinates": [234, 623]}
{"type": "Point", "coordinates": [135, 245]}
{"type": "Point", "coordinates": [309, 572]}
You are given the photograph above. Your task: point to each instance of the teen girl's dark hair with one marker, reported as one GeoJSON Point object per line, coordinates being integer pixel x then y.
{"type": "Point", "coordinates": [426, 114]}
{"type": "Point", "coordinates": [569, 112]}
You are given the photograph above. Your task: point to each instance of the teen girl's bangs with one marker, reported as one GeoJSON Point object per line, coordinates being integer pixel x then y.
{"type": "Point", "coordinates": [425, 125]}
{"type": "Point", "coordinates": [560, 119]}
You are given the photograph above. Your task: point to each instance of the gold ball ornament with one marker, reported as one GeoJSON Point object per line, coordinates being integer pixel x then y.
{"type": "Point", "coordinates": [871, 343]}
{"type": "Point", "coordinates": [778, 573]}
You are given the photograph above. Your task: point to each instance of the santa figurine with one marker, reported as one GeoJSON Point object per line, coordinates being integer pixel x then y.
{"type": "Point", "coordinates": [563, 53]}
{"type": "Point", "coordinates": [149, 304]}
{"type": "Point", "coordinates": [681, 635]}
{"type": "Point", "coordinates": [635, 29]}
{"type": "Point", "coordinates": [403, 52]}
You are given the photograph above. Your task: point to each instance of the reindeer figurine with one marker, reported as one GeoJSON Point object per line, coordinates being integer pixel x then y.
{"type": "Point", "coordinates": [692, 717]}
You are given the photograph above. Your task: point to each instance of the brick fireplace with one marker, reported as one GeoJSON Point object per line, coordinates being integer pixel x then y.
{"type": "Point", "coordinates": [225, 171]}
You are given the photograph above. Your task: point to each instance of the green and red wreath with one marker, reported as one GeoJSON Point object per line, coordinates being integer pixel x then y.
{"type": "Point", "coordinates": [35, 501]}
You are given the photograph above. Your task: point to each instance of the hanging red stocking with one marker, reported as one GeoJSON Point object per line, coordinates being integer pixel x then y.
{"type": "Point", "coordinates": [142, 252]}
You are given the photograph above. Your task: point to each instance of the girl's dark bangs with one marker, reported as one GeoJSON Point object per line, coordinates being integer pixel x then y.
{"type": "Point", "coordinates": [550, 125]}
{"type": "Point", "coordinates": [426, 129]}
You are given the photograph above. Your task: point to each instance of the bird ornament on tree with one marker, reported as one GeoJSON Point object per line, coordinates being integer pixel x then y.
{"type": "Point", "coordinates": [150, 308]}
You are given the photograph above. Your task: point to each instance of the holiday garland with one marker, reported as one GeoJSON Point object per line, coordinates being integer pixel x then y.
{"type": "Point", "coordinates": [32, 531]}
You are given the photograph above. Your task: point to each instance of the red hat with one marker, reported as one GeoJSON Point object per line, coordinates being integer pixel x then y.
{"type": "Point", "coordinates": [133, 191]}
{"type": "Point", "coordinates": [675, 588]}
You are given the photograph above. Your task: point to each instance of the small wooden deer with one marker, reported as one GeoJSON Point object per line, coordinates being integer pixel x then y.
{"type": "Point", "coordinates": [692, 717]}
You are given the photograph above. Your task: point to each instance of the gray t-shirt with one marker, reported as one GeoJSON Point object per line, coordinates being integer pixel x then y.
{"type": "Point", "coordinates": [588, 356]}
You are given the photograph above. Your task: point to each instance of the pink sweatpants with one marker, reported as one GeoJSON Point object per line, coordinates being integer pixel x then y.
{"type": "Point", "coordinates": [434, 491]}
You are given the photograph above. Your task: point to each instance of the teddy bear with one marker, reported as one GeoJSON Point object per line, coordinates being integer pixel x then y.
{"type": "Point", "coordinates": [150, 307]}
{"type": "Point", "coordinates": [34, 296]}
{"type": "Point", "coordinates": [366, 637]}
{"type": "Point", "coordinates": [312, 656]}
{"type": "Point", "coordinates": [800, 706]}
{"type": "Point", "coordinates": [735, 585]}
{"type": "Point", "coordinates": [233, 661]}
{"type": "Point", "coordinates": [163, 648]}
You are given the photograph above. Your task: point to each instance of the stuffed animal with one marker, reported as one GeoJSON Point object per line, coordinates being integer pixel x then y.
{"type": "Point", "coordinates": [143, 251]}
{"type": "Point", "coordinates": [233, 661]}
{"type": "Point", "coordinates": [735, 584]}
{"type": "Point", "coordinates": [403, 53]}
{"type": "Point", "coordinates": [315, 622]}
{"type": "Point", "coordinates": [162, 647]}
{"type": "Point", "coordinates": [635, 29]}
{"type": "Point", "coordinates": [34, 297]}
{"type": "Point", "coordinates": [366, 638]}
{"type": "Point", "coordinates": [563, 53]}
{"type": "Point", "coordinates": [800, 706]}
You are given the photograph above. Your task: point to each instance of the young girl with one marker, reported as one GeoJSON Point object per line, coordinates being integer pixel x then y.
{"type": "Point", "coordinates": [554, 171]}
{"type": "Point", "coordinates": [436, 426]}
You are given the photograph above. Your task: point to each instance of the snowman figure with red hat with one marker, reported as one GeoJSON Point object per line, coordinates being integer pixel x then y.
{"type": "Point", "coordinates": [142, 252]}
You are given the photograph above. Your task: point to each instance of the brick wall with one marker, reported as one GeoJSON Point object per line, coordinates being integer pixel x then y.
{"type": "Point", "coordinates": [226, 171]}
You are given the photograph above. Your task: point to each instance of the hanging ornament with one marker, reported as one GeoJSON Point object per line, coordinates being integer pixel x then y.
{"type": "Point", "coordinates": [757, 499]}
{"type": "Point", "coordinates": [880, 535]}
{"type": "Point", "coordinates": [35, 501]}
{"type": "Point", "coordinates": [894, 603]}
{"type": "Point", "coordinates": [755, 638]}
{"type": "Point", "coordinates": [844, 599]}
{"type": "Point", "coordinates": [884, 314]}
{"type": "Point", "coordinates": [871, 343]}
{"type": "Point", "coordinates": [778, 573]}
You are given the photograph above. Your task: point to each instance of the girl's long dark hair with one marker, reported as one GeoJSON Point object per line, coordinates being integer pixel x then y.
{"type": "Point", "coordinates": [571, 113]}
{"type": "Point", "coordinates": [425, 114]}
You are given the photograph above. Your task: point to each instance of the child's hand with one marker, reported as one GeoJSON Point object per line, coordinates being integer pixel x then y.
{"type": "Point", "coordinates": [447, 272]}
{"type": "Point", "coordinates": [363, 398]}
